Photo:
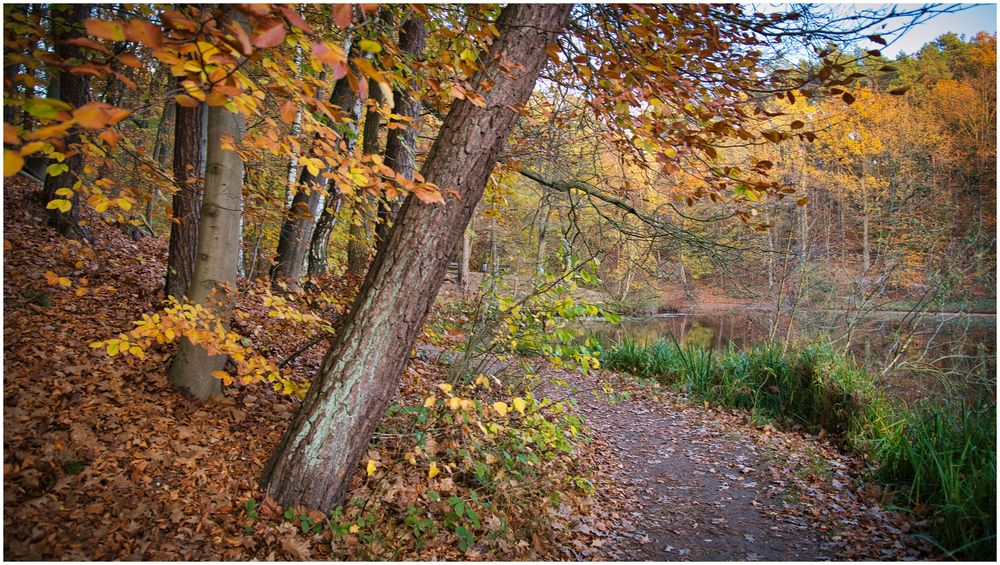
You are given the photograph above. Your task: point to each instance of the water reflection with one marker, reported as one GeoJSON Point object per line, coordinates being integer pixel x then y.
{"type": "Point", "coordinates": [935, 355]}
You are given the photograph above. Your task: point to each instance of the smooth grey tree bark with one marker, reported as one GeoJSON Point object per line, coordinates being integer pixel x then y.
{"type": "Point", "coordinates": [219, 238]}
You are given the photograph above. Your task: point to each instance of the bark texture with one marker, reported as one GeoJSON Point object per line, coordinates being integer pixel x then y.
{"type": "Point", "coordinates": [73, 91]}
{"type": "Point", "coordinates": [359, 374]}
{"type": "Point", "coordinates": [301, 222]}
{"type": "Point", "coordinates": [359, 244]}
{"type": "Point", "coordinates": [218, 252]}
{"type": "Point", "coordinates": [401, 144]}
{"type": "Point", "coordinates": [343, 98]}
{"type": "Point", "coordinates": [186, 204]}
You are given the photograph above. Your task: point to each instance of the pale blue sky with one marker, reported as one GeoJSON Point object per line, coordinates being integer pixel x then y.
{"type": "Point", "coordinates": [968, 22]}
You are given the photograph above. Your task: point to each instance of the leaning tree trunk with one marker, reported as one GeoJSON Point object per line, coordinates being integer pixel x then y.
{"type": "Point", "coordinates": [401, 144]}
{"type": "Point", "coordinates": [360, 373]}
{"type": "Point", "coordinates": [73, 91]}
{"type": "Point", "coordinates": [186, 205]}
{"type": "Point", "coordinates": [219, 241]}
{"type": "Point", "coordinates": [343, 98]}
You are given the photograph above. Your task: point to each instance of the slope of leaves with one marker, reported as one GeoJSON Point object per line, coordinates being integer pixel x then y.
{"type": "Point", "coordinates": [104, 460]}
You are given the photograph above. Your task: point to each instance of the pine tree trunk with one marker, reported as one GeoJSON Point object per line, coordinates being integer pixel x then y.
{"type": "Point", "coordinates": [72, 90]}
{"type": "Point", "coordinates": [214, 283]}
{"type": "Point", "coordinates": [359, 245]}
{"type": "Point", "coordinates": [359, 374]}
{"type": "Point", "coordinates": [401, 144]}
{"type": "Point", "coordinates": [186, 205]}
{"type": "Point", "coordinates": [343, 97]}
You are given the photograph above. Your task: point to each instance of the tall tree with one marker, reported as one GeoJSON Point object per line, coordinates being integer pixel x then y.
{"type": "Point", "coordinates": [186, 204]}
{"type": "Point", "coordinates": [359, 243]}
{"type": "Point", "coordinates": [344, 98]}
{"type": "Point", "coordinates": [322, 446]}
{"type": "Point", "coordinates": [218, 251]}
{"type": "Point", "coordinates": [72, 88]}
{"type": "Point", "coordinates": [401, 144]}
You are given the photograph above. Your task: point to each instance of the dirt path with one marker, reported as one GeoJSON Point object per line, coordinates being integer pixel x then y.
{"type": "Point", "coordinates": [692, 483]}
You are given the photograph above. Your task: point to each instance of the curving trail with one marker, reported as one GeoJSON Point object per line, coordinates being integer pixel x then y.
{"type": "Point", "coordinates": [685, 482]}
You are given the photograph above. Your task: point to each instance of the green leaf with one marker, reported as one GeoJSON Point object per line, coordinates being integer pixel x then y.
{"type": "Point", "coordinates": [45, 108]}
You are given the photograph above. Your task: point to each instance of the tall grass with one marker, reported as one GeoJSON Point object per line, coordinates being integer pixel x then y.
{"type": "Point", "coordinates": [941, 459]}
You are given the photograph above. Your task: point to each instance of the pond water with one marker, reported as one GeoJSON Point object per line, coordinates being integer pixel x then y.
{"type": "Point", "coordinates": [948, 355]}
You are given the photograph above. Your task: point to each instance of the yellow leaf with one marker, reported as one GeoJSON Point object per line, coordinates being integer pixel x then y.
{"type": "Point", "coordinates": [64, 282]}
{"type": "Point", "coordinates": [482, 380]}
{"type": "Point", "coordinates": [124, 203]}
{"type": "Point", "coordinates": [445, 388]}
{"type": "Point", "coordinates": [429, 401]}
{"type": "Point", "coordinates": [519, 404]}
{"type": "Point", "coordinates": [354, 528]}
{"type": "Point", "coordinates": [59, 204]}
{"type": "Point", "coordinates": [433, 471]}
{"type": "Point", "coordinates": [113, 348]}
{"type": "Point", "coordinates": [12, 162]}
{"type": "Point", "coordinates": [372, 466]}
{"type": "Point", "coordinates": [186, 101]}
{"type": "Point", "coordinates": [32, 147]}
{"type": "Point", "coordinates": [454, 402]}
{"type": "Point", "coordinates": [411, 458]}
{"type": "Point", "coordinates": [500, 408]}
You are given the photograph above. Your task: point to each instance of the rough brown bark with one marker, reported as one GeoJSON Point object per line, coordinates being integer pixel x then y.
{"type": "Point", "coordinates": [359, 374]}
{"type": "Point", "coordinates": [186, 204]}
{"type": "Point", "coordinates": [67, 21]}
{"type": "Point", "coordinates": [343, 97]}
{"type": "Point", "coordinates": [218, 252]}
{"type": "Point", "coordinates": [359, 245]}
{"type": "Point", "coordinates": [301, 223]}
{"type": "Point", "coordinates": [401, 144]}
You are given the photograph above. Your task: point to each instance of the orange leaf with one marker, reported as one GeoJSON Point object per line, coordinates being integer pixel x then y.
{"type": "Point", "coordinates": [295, 19]}
{"type": "Point", "coordinates": [92, 116]}
{"type": "Point", "coordinates": [269, 33]}
{"type": "Point", "coordinates": [55, 130]}
{"type": "Point", "coordinates": [327, 54]}
{"type": "Point", "coordinates": [342, 15]}
{"type": "Point", "coordinates": [130, 60]}
{"type": "Point", "coordinates": [288, 111]}
{"type": "Point", "coordinates": [144, 32]}
{"type": "Point", "coordinates": [186, 101]}
{"type": "Point", "coordinates": [88, 43]}
{"type": "Point", "coordinates": [111, 31]}
{"type": "Point", "coordinates": [10, 134]}
{"type": "Point", "coordinates": [110, 136]}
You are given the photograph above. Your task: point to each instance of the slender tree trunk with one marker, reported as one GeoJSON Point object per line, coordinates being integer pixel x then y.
{"type": "Point", "coordinates": [360, 373]}
{"type": "Point", "coordinates": [401, 144]}
{"type": "Point", "coordinates": [214, 284]}
{"type": "Point", "coordinates": [186, 206]}
{"type": "Point", "coordinates": [343, 97]}
{"type": "Point", "coordinates": [72, 90]}
{"type": "Point", "coordinates": [160, 153]}
{"type": "Point", "coordinates": [865, 245]}
{"type": "Point", "coordinates": [359, 244]}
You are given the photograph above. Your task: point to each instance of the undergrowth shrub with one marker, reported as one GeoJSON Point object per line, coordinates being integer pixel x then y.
{"type": "Point", "coordinates": [464, 469]}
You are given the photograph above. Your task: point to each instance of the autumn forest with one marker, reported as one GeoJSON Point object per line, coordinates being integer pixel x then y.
{"type": "Point", "coordinates": [498, 282]}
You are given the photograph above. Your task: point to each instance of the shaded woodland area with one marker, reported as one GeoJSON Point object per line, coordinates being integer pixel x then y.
{"type": "Point", "coordinates": [335, 282]}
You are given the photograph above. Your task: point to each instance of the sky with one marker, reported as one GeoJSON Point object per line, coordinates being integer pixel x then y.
{"type": "Point", "coordinates": [979, 17]}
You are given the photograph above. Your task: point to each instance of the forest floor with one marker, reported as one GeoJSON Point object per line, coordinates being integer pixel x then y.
{"type": "Point", "coordinates": [103, 460]}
